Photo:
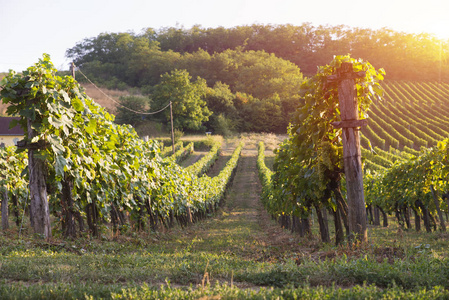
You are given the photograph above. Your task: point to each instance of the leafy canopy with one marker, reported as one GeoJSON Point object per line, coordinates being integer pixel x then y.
{"type": "Point", "coordinates": [187, 97]}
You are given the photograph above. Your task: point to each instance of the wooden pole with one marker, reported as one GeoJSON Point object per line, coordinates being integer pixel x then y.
{"type": "Point", "coordinates": [437, 205]}
{"type": "Point", "coordinates": [72, 69]}
{"type": "Point", "coordinates": [347, 97]}
{"type": "Point", "coordinates": [172, 132]}
{"type": "Point", "coordinates": [5, 213]}
{"type": "Point", "coordinates": [39, 207]}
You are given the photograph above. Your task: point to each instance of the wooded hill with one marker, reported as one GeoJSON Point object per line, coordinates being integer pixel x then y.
{"type": "Point", "coordinates": [248, 78]}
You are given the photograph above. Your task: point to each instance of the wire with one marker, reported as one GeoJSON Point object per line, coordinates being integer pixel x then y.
{"type": "Point", "coordinates": [119, 104]}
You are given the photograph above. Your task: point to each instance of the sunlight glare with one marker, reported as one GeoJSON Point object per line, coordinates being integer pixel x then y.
{"type": "Point", "coordinates": [440, 28]}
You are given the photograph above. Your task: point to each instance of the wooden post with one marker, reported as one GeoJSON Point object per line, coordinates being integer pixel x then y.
{"type": "Point", "coordinates": [39, 207]}
{"type": "Point", "coordinates": [347, 97]}
{"type": "Point", "coordinates": [172, 132]}
{"type": "Point", "coordinates": [72, 70]}
{"type": "Point", "coordinates": [437, 205]}
{"type": "Point", "coordinates": [5, 213]}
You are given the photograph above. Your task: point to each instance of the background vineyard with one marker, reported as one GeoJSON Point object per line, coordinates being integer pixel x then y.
{"type": "Point", "coordinates": [411, 115]}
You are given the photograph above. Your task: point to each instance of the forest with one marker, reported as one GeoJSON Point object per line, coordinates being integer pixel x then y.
{"type": "Point", "coordinates": [247, 78]}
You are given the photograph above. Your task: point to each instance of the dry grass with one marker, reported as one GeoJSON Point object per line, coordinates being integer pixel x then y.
{"type": "Point", "coordinates": [101, 99]}
{"type": "Point", "coordinates": [200, 137]}
{"type": "Point", "coordinates": [270, 140]}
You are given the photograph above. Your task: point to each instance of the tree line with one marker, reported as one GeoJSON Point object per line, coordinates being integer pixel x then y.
{"type": "Point", "coordinates": [252, 74]}
{"type": "Point", "coordinates": [404, 55]}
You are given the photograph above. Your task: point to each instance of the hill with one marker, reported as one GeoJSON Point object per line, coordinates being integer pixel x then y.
{"type": "Point", "coordinates": [102, 99]}
{"type": "Point", "coordinates": [411, 115]}
{"type": "Point", "coordinates": [253, 73]}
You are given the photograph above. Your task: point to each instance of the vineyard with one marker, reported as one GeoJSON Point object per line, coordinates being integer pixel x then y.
{"type": "Point", "coordinates": [411, 116]}
{"type": "Point", "coordinates": [128, 218]}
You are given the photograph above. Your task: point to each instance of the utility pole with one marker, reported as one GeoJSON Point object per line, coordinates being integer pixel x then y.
{"type": "Point", "coordinates": [347, 97]}
{"type": "Point", "coordinates": [72, 69]}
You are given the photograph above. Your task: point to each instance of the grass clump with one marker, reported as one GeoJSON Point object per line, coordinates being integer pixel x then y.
{"type": "Point", "coordinates": [217, 291]}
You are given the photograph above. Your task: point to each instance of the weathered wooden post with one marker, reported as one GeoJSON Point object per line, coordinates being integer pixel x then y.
{"type": "Point", "coordinates": [347, 97]}
{"type": "Point", "coordinates": [39, 207]}
{"type": "Point", "coordinates": [5, 212]}
{"type": "Point", "coordinates": [72, 69]}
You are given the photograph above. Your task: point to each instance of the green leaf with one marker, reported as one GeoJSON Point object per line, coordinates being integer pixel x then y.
{"type": "Point", "coordinates": [4, 81]}
{"type": "Point", "coordinates": [378, 90]}
{"type": "Point", "coordinates": [91, 126]}
{"type": "Point", "coordinates": [35, 139]}
{"type": "Point", "coordinates": [56, 144]}
{"type": "Point", "coordinates": [24, 172]}
{"type": "Point", "coordinates": [28, 113]}
{"type": "Point", "coordinates": [52, 107]}
{"type": "Point", "coordinates": [60, 163]}
{"type": "Point", "coordinates": [65, 96]}
{"type": "Point", "coordinates": [54, 121]}
{"type": "Point", "coordinates": [77, 105]}
{"type": "Point", "coordinates": [13, 123]}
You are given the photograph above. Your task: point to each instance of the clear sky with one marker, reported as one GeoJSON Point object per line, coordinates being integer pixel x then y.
{"type": "Point", "coordinates": [29, 28]}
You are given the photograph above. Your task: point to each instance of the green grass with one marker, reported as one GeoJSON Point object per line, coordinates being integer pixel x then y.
{"type": "Point", "coordinates": [217, 291]}
{"type": "Point", "coordinates": [229, 249]}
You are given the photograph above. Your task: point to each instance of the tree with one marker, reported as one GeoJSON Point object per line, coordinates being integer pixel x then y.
{"type": "Point", "coordinates": [189, 107]}
{"type": "Point", "coordinates": [225, 117]}
{"type": "Point", "coordinates": [126, 112]}
{"type": "Point", "coordinates": [264, 115]}
{"type": "Point", "coordinates": [220, 99]}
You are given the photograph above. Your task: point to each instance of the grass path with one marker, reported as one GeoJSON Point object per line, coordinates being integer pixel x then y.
{"type": "Point", "coordinates": [242, 227]}
{"type": "Point", "coordinates": [240, 237]}
{"type": "Point", "coordinates": [192, 158]}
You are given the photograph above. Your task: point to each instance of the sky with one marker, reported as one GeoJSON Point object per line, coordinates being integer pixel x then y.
{"type": "Point", "coordinates": [29, 28]}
